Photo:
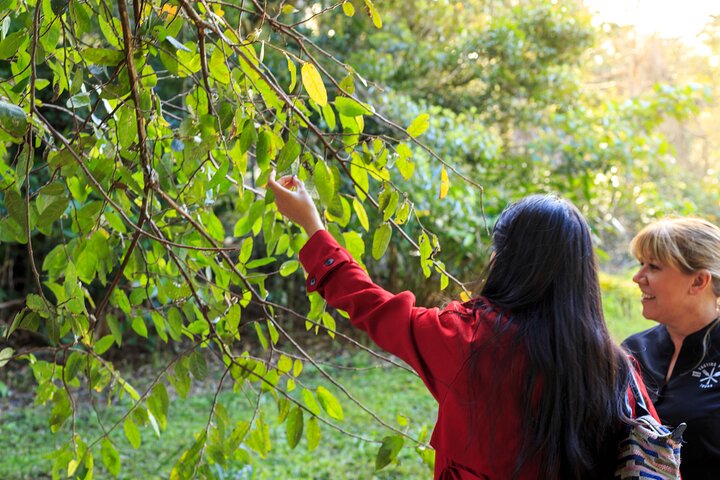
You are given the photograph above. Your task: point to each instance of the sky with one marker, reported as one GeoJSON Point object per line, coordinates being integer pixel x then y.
{"type": "Point", "coordinates": [682, 19]}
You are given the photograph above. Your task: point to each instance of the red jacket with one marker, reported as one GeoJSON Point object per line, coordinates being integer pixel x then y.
{"type": "Point", "coordinates": [436, 344]}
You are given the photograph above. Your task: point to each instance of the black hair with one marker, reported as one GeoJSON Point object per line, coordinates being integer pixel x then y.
{"type": "Point", "coordinates": [543, 277]}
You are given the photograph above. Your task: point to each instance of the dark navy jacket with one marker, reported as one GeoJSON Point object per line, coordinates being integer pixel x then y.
{"type": "Point", "coordinates": [692, 394]}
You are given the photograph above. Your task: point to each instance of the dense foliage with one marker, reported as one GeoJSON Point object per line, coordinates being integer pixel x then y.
{"type": "Point", "coordinates": [135, 140]}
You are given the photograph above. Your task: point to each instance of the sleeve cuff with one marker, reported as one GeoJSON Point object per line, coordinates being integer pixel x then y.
{"type": "Point", "coordinates": [320, 256]}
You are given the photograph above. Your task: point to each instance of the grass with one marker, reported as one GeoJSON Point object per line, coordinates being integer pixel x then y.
{"type": "Point", "coordinates": [26, 441]}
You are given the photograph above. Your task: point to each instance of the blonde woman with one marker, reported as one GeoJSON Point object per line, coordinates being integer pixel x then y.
{"type": "Point", "coordinates": [679, 278]}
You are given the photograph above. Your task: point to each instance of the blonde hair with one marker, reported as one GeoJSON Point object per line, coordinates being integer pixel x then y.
{"type": "Point", "coordinates": [688, 244]}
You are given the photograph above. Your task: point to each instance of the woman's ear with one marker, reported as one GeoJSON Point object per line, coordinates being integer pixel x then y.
{"type": "Point", "coordinates": [702, 279]}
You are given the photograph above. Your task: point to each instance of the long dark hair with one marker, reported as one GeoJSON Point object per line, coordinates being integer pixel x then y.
{"type": "Point", "coordinates": [544, 276]}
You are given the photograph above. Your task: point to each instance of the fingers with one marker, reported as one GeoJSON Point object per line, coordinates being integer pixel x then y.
{"type": "Point", "coordinates": [288, 181]}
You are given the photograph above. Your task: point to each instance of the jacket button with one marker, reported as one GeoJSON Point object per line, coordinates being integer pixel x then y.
{"type": "Point", "coordinates": [329, 262]}
{"type": "Point", "coordinates": [312, 281]}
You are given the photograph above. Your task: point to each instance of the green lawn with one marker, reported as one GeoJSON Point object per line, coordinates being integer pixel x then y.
{"type": "Point", "coordinates": [26, 441]}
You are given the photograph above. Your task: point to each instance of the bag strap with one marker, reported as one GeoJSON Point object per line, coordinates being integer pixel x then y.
{"type": "Point", "coordinates": [641, 407]}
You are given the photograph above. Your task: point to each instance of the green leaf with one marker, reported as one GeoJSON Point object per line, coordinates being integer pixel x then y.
{"type": "Point", "coordinates": [324, 182]}
{"type": "Point", "coordinates": [61, 411]}
{"type": "Point", "coordinates": [15, 206]}
{"type": "Point", "coordinates": [35, 303]}
{"type": "Point", "coordinates": [403, 213]}
{"type": "Point", "coordinates": [5, 356]}
{"type": "Point", "coordinates": [17, 321]}
{"type": "Point", "coordinates": [329, 322]}
{"type": "Point", "coordinates": [158, 404]}
{"type": "Point", "coordinates": [114, 329]}
{"type": "Point", "coordinates": [121, 300]}
{"type": "Point", "coordinates": [249, 136]}
{"type": "Point", "coordinates": [114, 221]}
{"type": "Point", "coordinates": [87, 216]}
{"type": "Point", "coordinates": [388, 452]}
{"type": "Point", "coordinates": [359, 174]}
{"type": "Point", "coordinates": [310, 401]}
{"type": "Point", "coordinates": [260, 262]}
{"type": "Point", "coordinates": [159, 323]}
{"type": "Point", "coordinates": [351, 108]}
{"type": "Point", "coordinates": [285, 364]}
{"type": "Point", "coordinates": [110, 457]}
{"type": "Point", "coordinates": [289, 153]}
{"type": "Point", "coordinates": [138, 324]}
{"type": "Point", "coordinates": [232, 319]}
{"type": "Point", "coordinates": [294, 427]}
{"type": "Point", "coordinates": [181, 380]}
{"type": "Point", "coordinates": [218, 68]}
{"type": "Point", "coordinates": [102, 345]}
{"type": "Point", "coordinates": [13, 119]}
{"type": "Point", "coordinates": [403, 163]}
{"type": "Point", "coordinates": [419, 125]}
{"type": "Point", "coordinates": [274, 334]}
{"type": "Point", "coordinates": [174, 323]}
{"type": "Point", "coordinates": [381, 240]}
{"type": "Point", "coordinates": [329, 403]}
{"type": "Point", "coordinates": [102, 56]}
{"type": "Point", "coordinates": [388, 204]}
{"type": "Point", "coordinates": [329, 116]}
{"type": "Point", "coordinates": [52, 212]}
{"type": "Point", "coordinates": [132, 433]}
{"type": "Point", "coordinates": [289, 267]}
{"type": "Point", "coordinates": [13, 43]}
{"type": "Point", "coordinates": [265, 149]}
{"type": "Point", "coordinates": [313, 84]}
{"type": "Point", "coordinates": [198, 365]}
{"type": "Point", "coordinates": [312, 432]}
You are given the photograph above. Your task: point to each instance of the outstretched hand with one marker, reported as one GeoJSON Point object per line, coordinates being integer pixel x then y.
{"type": "Point", "coordinates": [294, 202]}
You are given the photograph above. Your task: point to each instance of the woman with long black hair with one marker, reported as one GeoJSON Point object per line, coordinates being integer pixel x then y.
{"type": "Point", "coordinates": [528, 381]}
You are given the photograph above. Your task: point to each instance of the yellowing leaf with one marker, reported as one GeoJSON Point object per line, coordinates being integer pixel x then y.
{"type": "Point", "coordinates": [419, 125]}
{"type": "Point", "coordinates": [361, 214]}
{"type": "Point", "coordinates": [372, 11]}
{"type": "Point", "coordinates": [293, 73]}
{"type": "Point", "coordinates": [348, 8]}
{"type": "Point", "coordinates": [464, 296]}
{"type": "Point", "coordinates": [329, 403]}
{"type": "Point", "coordinates": [444, 183]}
{"type": "Point", "coordinates": [169, 9]}
{"type": "Point", "coordinates": [313, 84]}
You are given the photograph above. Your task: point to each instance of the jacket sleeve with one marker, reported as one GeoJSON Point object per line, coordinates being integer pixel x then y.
{"type": "Point", "coordinates": [429, 340]}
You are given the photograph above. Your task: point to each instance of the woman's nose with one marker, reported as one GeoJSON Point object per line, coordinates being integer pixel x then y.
{"type": "Point", "coordinates": [639, 276]}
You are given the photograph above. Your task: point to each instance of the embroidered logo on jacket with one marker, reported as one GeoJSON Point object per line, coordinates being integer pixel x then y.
{"type": "Point", "coordinates": [708, 373]}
